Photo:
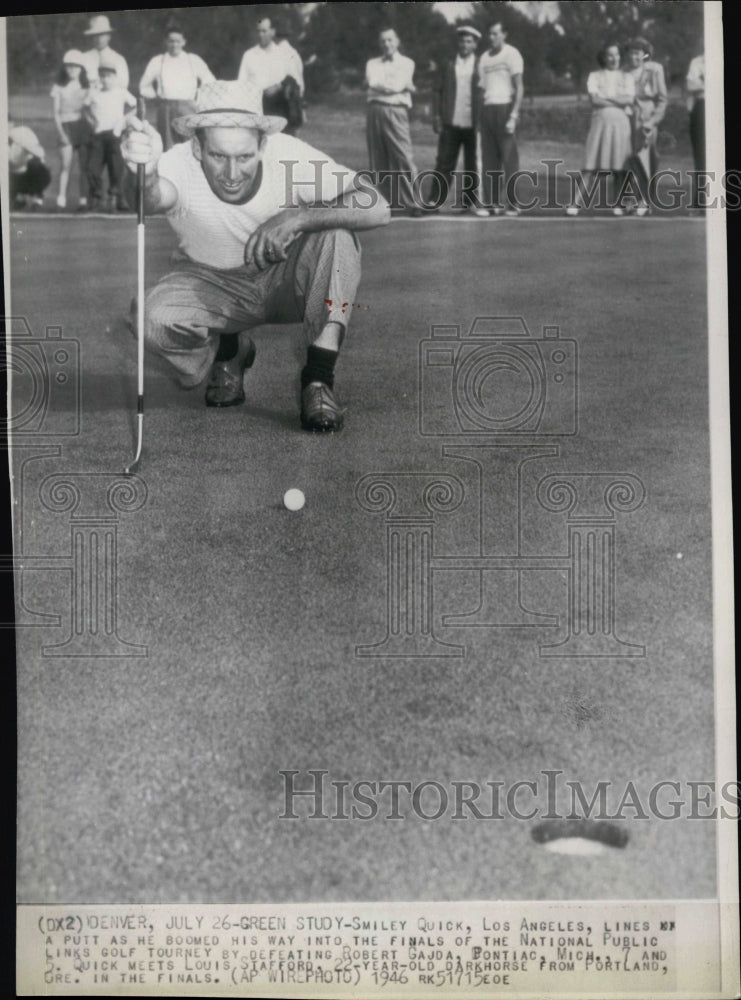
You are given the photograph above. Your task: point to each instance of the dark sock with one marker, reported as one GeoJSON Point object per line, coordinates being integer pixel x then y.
{"type": "Point", "coordinates": [319, 366]}
{"type": "Point", "coordinates": [228, 346]}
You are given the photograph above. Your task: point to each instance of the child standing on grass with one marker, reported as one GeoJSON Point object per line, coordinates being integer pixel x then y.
{"type": "Point", "coordinates": [105, 110]}
{"type": "Point", "coordinates": [68, 96]}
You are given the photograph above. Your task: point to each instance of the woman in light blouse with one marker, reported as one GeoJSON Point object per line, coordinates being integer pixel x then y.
{"type": "Point", "coordinates": [612, 93]}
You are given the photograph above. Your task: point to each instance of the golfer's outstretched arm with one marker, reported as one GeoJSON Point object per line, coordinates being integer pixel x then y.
{"type": "Point", "coordinates": [141, 143]}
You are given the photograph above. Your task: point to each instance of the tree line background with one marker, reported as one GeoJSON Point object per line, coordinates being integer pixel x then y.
{"type": "Point", "coordinates": [336, 38]}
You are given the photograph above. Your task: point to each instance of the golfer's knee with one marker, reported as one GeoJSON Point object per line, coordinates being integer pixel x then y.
{"type": "Point", "coordinates": [339, 241]}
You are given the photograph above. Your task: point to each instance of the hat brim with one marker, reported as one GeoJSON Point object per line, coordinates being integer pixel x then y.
{"type": "Point", "coordinates": [99, 31]}
{"type": "Point", "coordinates": [186, 125]}
{"type": "Point", "coordinates": [468, 31]}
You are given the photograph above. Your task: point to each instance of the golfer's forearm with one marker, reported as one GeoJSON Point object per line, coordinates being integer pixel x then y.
{"type": "Point", "coordinates": [315, 220]}
{"type": "Point", "coordinates": [153, 202]}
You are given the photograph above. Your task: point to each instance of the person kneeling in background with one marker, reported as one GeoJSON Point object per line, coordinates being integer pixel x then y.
{"type": "Point", "coordinates": [29, 174]}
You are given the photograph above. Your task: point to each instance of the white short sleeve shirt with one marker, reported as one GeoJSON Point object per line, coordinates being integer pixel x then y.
{"type": "Point", "coordinates": [214, 232]}
{"type": "Point", "coordinates": [496, 72]}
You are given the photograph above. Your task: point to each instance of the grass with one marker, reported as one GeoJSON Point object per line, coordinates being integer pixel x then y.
{"type": "Point", "coordinates": [158, 778]}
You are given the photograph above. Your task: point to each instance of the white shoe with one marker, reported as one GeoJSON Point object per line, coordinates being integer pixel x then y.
{"type": "Point", "coordinates": [480, 213]}
{"type": "Point", "coordinates": [572, 210]}
{"type": "Point", "coordinates": [61, 201]}
{"type": "Point", "coordinates": [512, 213]}
{"type": "Point", "coordinates": [618, 211]}
{"type": "Point", "coordinates": [641, 210]}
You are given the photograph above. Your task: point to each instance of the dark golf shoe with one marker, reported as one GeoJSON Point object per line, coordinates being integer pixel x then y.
{"type": "Point", "coordinates": [320, 410]}
{"type": "Point", "coordinates": [225, 381]}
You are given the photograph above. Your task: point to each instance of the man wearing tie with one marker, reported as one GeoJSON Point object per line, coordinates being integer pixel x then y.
{"type": "Point", "coordinates": [390, 88]}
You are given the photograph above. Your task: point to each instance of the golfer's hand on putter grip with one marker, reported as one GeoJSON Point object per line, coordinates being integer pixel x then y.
{"type": "Point", "coordinates": [271, 241]}
{"type": "Point", "coordinates": [141, 144]}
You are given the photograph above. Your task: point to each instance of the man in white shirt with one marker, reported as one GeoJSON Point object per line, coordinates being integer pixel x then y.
{"type": "Point", "coordinates": [389, 80]}
{"type": "Point", "coordinates": [695, 87]}
{"type": "Point", "coordinates": [266, 236]}
{"type": "Point", "coordinates": [276, 69]}
{"type": "Point", "coordinates": [500, 81]}
{"type": "Point", "coordinates": [173, 79]}
{"type": "Point", "coordinates": [454, 116]}
{"type": "Point", "coordinates": [99, 32]}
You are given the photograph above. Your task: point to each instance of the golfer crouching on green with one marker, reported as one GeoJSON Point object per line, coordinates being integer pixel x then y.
{"type": "Point", "coordinates": [266, 225]}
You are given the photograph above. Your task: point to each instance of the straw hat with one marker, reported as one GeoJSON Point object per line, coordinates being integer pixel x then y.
{"type": "Point", "coordinates": [99, 25]}
{"type": "Point", "coordinates": [228, 104]}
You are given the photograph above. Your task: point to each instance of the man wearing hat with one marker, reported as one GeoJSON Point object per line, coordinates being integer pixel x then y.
{"type": "Point", "coordinates": [29, 175]}
{"type": "Point", "coordinates": [454, 115]}
{"type": "Point", "coordinates": [649, 109]}
{"type": "Point", "coordinates": [266, 226]}
{"type": "Point", "coordinates": [99, 32]}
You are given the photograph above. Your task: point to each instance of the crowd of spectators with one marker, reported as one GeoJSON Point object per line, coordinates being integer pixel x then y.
{"type": "Point", "coordinates": [477, 98]}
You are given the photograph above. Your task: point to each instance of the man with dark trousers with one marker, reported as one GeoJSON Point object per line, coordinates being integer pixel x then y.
{"type": "Point", "coordinates": [454, 113]}
{"type": "Point", "coordinates": [500, 71]}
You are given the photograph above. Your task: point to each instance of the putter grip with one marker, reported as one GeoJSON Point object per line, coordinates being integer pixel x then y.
{"type": "Point", "coordinates": [140, 170]}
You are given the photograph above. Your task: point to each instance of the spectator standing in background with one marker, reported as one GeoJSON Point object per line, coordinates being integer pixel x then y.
{"type": "Point", "coordinates": [173, 78]}
{"type": "Point", "coordinates": [612, 93]}
{"type": "Point", "coordinates": [389, 79]}
{"type": "Point", "coordinates": [649, 110]}
{"type": "Point", "coordinates": [454, 114]}
{"type": "Point", "coordinates": [105, 109]}
{"type": "Point", "coordinates": [500, 73]}
{"type": "Point", "coordinates": [68, 99]}
{"type": "Point", "coordinates": [29, 174]}
{"type": "Point", "coordinates": [275, 68]}
{"type": "Point", "coordinates": [99, 32]}
{"type": "Point", "coordinates": [695, 86]}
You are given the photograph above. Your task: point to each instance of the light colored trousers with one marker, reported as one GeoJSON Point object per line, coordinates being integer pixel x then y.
{"type": "Point", "coordinates": [187, 310]}
{"type": "Point", "coordinates": [390, 146]}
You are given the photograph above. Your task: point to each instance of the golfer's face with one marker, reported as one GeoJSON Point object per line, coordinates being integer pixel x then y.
{"type": "Point", "coordinates": [389, 43]}
{"type": "Point", "coordinates": [101, 41]}
{"type": "Point", "coordinates": [229, 159]}
{"type": "Point", "coordinates": [496, 37]}
{"type": "Point", "coordinates": [175, 43]}
{"type": "Point", "coordinates": [466, 44]}
{"type": "Point", "coordinates": [635, 58]}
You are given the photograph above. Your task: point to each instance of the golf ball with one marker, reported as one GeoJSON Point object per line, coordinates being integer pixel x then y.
{"type": "Point", "coordinates": [294, 499]}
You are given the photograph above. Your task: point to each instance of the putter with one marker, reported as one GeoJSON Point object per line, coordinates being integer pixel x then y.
{"type": "Point", "coordinates": [139, 304]}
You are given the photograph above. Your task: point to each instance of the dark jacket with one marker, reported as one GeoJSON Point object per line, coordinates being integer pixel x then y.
{"type": "Point", "coordinates": [443, 91]}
